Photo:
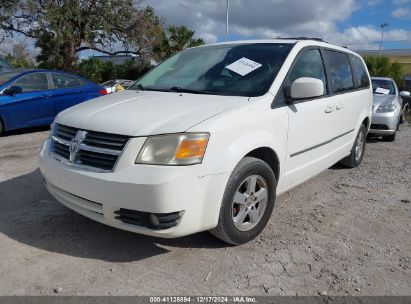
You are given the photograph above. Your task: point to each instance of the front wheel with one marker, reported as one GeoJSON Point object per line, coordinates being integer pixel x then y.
{"type": "Point", "coordinates": [357, 151]}
{"type": "Point", "coordinates": [404, 113]}
{"type": "Point", "coordinates": [390, 137]}
{"type": "Point", "coordinates": [248, 202]}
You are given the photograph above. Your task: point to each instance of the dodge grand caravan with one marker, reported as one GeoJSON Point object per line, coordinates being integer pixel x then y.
{"type": "Point", "coordinates": [208, 138]}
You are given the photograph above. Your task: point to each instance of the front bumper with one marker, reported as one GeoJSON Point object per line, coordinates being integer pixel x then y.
{"type": "Point", "coordinates": [144, 188]}
{"type": "Point", "coordinates": [384, 123]}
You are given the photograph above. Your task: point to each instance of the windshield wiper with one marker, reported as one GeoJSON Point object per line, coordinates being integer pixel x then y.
{"type": "Point", "coordinates": [141, 87]}
{"type": "Point", "coordinates": [192, 91]}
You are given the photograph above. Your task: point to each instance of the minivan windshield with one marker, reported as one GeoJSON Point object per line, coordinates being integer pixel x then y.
{"type": "Point", "coordinates": [382, 86]}
{"type": "Point", "coordinates": [227, 69]}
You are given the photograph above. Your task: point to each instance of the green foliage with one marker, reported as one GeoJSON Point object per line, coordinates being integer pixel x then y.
{"type": "Point", "coordinates": [174, 39]}
{"type": "Point", "coordinates": [20, 63]}
{"type": "Point", "coordinates": [381, 66]}
{"type": "Point", "coordinates": [63, 28]}
{"type": "Point", "coordinates": [100, 71]}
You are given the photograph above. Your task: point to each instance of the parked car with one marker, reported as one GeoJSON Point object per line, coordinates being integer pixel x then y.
{"type": "Point", "coordinates": [210, 137]}
{"type": "Point", "coordinates": [4, 65]}
{"type": "Point", "coordinates": [117, 85]}
{"type": "Point", "coordinates": [31, 98]}
{"type": "Point", "coordinates": [406, 86]}
{"type": "Point", "coordinates": [388, 109]}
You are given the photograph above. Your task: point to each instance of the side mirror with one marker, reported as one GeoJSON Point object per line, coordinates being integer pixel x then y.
{"type": "Point", "coordinates": [405, 94]}
{"type": "Point", "coordinates": [13, 90]}
{"type": "Point", "coordinates": [306, 87]}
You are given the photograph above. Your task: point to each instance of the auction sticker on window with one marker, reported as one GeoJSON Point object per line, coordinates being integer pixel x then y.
{"type": "Point", "coordinates": [382, 91]}
{"type": "Point", "coordinates": [243, 66]}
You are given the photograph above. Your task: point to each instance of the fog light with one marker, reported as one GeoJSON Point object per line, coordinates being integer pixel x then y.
{"type": "Point", "coordinates": [154, 220]}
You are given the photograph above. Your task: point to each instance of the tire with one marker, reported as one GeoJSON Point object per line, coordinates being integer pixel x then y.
{"type": "Point", "coordinates": [1, 127]}
{"type": "Point", "coordinates": [241, 223]}
{"type": "Point", "coordinates": [390, 137]}
{"type": "Point", "coordinates": [404, 113]}
{"type": "Point", "coordinates": [355, 158]}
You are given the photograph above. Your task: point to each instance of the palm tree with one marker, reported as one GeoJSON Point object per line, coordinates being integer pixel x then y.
{"type": "Point", "coordinates": [175, 39]}
{"type": "Point", "coordinates": [381, 66]}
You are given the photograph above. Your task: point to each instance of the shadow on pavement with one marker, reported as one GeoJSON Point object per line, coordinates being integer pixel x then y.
{"type": "Point", "coordinates": [26, 131]}
{"type": "Point", "coordinates": [31, 216]}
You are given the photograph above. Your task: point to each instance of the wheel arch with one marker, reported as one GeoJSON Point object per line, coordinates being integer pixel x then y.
{"type": "Point", "coordinates": [269, 156]}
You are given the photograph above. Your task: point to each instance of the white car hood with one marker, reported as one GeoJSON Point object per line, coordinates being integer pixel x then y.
{"type": "Point", "coordinates": [143, 113]}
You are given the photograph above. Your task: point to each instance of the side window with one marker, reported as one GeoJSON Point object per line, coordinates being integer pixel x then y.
{"type": "Point", "coordinates": [339, 71]}
{"type": "Point", "coordinates": [360, 72]}
{"type": "Point", "coordinates": [309, 64]}
{"type": "Point", "coordinates": [32, 82]}
{"type": "Point", "coordinates": [62, 81]}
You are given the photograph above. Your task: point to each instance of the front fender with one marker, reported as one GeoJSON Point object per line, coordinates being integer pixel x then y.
{"type": "Point", "coordinates": [241, 132]}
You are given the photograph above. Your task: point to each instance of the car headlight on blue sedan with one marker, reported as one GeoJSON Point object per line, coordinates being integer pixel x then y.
{"type": "Point", "coordinates": [387, 107]}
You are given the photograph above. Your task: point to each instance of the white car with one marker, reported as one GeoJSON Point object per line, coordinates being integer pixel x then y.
{"type": "Point", "coordinates": [210, 137]}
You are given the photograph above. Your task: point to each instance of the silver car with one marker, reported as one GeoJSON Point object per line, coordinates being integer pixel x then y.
{"type": "Point", "coordinates": [388, 109]}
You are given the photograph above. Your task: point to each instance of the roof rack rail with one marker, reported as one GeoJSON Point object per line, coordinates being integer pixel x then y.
{"type": "Point", "coordinates": [301, 38]}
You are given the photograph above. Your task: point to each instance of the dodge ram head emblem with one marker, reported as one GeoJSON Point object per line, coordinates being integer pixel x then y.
{"type": "Point", "coordinates": [75, 144]}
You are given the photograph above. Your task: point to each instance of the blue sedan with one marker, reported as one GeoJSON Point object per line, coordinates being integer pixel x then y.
{"type": "Point", "coordinates": [31, 98]}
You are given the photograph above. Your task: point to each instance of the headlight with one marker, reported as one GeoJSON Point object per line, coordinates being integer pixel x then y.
{"type": "Point", "coordinates": [387, 107]}
{"type": "Point", "coordinates": [173, 149]}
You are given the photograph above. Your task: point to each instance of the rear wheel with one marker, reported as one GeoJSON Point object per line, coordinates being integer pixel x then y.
{"type": "Point", "coordinates": [248, 202]}
{"type": "Point", "coordinates": [357, 151]}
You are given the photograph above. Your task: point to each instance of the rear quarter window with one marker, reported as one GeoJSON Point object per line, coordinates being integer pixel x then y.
{"type": "Point", "coordinates": [338, 71]}
{"type": "Point", "coordinates": [361, 79]}
{"type": "Point", "coordinates": [62, 81]}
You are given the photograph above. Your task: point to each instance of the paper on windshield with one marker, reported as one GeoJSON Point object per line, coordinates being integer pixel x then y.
{"type": "Point", "coordinates": [382, 91]}
{"type": "Point", "coordinates": [243, 66]}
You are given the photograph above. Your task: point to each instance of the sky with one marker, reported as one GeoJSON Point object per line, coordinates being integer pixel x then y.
{"type": "Point", "coordinates": [355, 24]}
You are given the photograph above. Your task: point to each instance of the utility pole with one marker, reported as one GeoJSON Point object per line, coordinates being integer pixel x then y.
{"type": "Point", "coordinates": [226, 25]}
{"type": "Point", "coordinates": [383, 26]}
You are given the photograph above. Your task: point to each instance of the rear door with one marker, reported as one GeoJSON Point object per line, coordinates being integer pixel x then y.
{"type": "Point", "coordinates": [349, 101]}
{"type": "Point", "coordinates": [67, 91]}
{"type": "Point", "coordinates": [33, 106]}
{"type": "Point", "coordinates": [310, 122]}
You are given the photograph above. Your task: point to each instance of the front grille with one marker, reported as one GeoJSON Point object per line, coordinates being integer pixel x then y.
{"type": "Point", "coordinates": [88, 149]}
{"type": "Point", "coordinates": [155, 221]}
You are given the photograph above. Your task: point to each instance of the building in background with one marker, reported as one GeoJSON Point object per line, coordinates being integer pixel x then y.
{"type": "Point", "coordinates": [117, 60]}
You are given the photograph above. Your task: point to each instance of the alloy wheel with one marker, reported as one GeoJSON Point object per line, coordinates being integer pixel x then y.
{"type": "Point", "coordinates": [250, 202]}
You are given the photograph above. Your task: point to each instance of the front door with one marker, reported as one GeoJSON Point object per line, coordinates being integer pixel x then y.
{"type": "Point", "coordinates": [31, 107]}
{"type": "Point", "coordinates": [310, 123]}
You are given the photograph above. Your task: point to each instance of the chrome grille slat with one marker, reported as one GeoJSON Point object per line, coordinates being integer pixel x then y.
{"type": "Point", "coordinates": [86, 149]}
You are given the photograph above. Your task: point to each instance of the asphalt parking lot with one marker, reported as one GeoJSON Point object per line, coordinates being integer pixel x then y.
{"type": "Point", "coordinates": [345, 232]}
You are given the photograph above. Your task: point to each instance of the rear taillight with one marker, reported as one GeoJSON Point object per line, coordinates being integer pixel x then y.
{"type": "Point", "coordinates": [103, 92]}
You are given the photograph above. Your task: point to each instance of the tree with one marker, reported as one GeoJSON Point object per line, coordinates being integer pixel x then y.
{"type": "Point", "coordinates": [64, 28]}
{"type": "Point", "coordinates": [18, 55]}
{"type": "Point", "coordinates": [381, 66]}
{"type": "Point", "coordinates": [174, 39]}
{"type": "Point", "coordinates": [100, 71]}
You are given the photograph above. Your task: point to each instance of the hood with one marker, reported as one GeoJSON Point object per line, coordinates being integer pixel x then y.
{"type": "Point", "coordinates": [379, 99]}
{"type": "Point", "coordinates": [143, 113]}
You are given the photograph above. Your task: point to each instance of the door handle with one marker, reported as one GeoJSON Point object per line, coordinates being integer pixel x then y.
{"type": "Point", "coordinates": [45, 96]}
{"type": "Point", "coordinates": [339, 106]}
{"type": "Point", "coordinates": [329, 109]}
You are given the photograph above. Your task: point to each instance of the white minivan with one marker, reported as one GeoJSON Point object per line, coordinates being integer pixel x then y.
{"type": "Point", "coordinates": [207, 139]}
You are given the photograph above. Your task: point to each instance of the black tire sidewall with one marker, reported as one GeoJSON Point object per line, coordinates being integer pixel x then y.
{"type": "Point", "coordinates": [359, 161]}
{"type": "Point", "coordinates": [258, 167]}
